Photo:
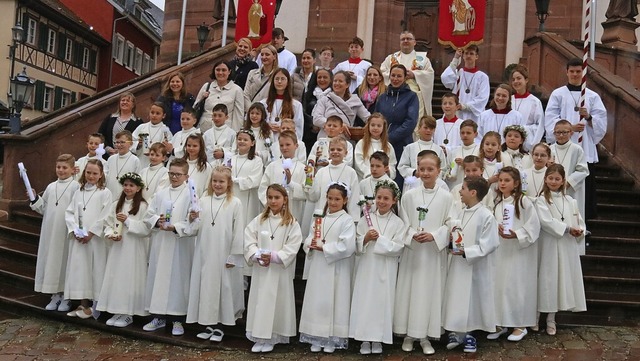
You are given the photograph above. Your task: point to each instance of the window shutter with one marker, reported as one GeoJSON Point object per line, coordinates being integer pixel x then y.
{"type": "Point", "coordinates": [62, 45]}
{"type": "Point", "coordinates": [43, 37]}
{"type": "Point", "coordinates": [25, 23]}
{"type": "Point", "coordinates": [73, 97]}
{"type": "Point", "coordinates": [57, 98]}
{"type": "Point", "coordinates": [39, 98]}
{"type": "Point", "coordinates": [92, 60]}
{"type": "Point", "coordinates": [77, 54]}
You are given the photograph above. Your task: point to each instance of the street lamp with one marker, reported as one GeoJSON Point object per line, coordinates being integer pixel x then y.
{"type": "Point", "coordinates": [203, 35]}
{"type": "Point", "coordinates": [542, 11]}
{"type": "Point", "coordinates": [17, 35]}
{"type": "Point", "coordinates": [21, 90]}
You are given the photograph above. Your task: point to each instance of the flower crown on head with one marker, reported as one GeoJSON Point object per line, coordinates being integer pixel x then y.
{"type": "Point", "coordinates": [132, 176]}
{"type": "Point", "coordinates": [391, 185]}
{"type": "Point", "coordinates": [247, 131]}
{"type": "Point", "coordinates": [343, 185]}
{"type": "Point", "coordinates": [518, 128]}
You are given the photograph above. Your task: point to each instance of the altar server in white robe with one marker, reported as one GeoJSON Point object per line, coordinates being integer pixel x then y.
{"type": "Point", "coordinates": [560, 285]}
{"type": "Point", "coordinates": [469, 292]}
{"type": "Point", "coordinates": [171, 255]}
{"type": "Point", "coordinates": [528, 105]}
{"type": "Point", "coordinates": [379, 247]}
{"type": "Point", "coordinates": [500, 114]}
{"type": "Point", "coordinates": [125, 275]}
{"type": "Point", "coordinates": [271, 244]}
{"type": "Point", "coordinates": [517, 257]}
{"type": "Point", "coordinates": [324, 322]}
{"type": "Point", "coordinates": [216, 293]}
{"type": "Point", "coordinates": [53, 247]}
{"type": "Point", "coordinates": [87, 258]}
{"type": "Point", "coordinates": [426, 211]}
{"type": "Point", "coordinates": [470, 84]}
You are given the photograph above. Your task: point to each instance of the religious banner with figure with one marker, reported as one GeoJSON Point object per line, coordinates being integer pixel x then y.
{"type": "Point", "coordinates": [255, 20]}
{"type": "Point", "coordinates": [461, 22]}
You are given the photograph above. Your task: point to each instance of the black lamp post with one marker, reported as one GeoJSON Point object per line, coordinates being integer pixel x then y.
{"type": "Point", "coordinates": [17, 36]}
{"type": "Point", "coordinates": [542, 12]}
{"type": "Point", "coordinates": [203, 35]}
{"type": "Point", "coordinates": [21, 90]}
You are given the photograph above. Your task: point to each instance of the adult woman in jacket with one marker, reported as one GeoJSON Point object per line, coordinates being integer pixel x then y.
{"type": "Point", "coordinates": [123, 119]}
{"type": "Point", "coordinates": [303, 73]}
{"type": "Point", "coordinates": [221, 90]}
{"type": "Point", "coordinates": [319, 86]}
{"type": "Point", "coordinates": [400, 106]}
{"type": "Point", "coordinates": [341, 101]}
{"type": "Point", "coordinates": [175, 98]}
{"type": "Point", "coordinates": [242, 63]}
{"type": "Point", "coordinates": [258, 80]}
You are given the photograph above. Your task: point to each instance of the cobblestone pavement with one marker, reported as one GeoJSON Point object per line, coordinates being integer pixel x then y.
{"type": "Point", "coordinates": [31, 338]}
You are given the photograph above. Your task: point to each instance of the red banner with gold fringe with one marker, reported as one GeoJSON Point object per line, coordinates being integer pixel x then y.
{"type": "Point", "coordinates": [255, 20]}
{"type": "Point", "coordinates": [461, 22]}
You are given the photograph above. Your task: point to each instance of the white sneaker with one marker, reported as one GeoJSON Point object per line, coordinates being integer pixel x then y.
{"type": "Point", "coordinates": [257, 347]}
{"type": "Point", "coordinates": [178, 329]}
{"type": "Point", "coordinates": [427, 349]}
{"type": "Point", "coordinates": [329, 348]}
{"type": "Point", "coordinates": [55, 302]}
{"type": "Point", "coordinates": [65, 306]}
{"type": "Point", "coordinates": [267, 347]}
{"type": "Point", "coordinates": [112, 320]}
{"type": "Point", "coordinates": [316, 348]}
{"type": "Point", "coordinates": [155, 324]}
{"type": "Point", "coordinates": [365, 348]}
{"type": "Point", "coordinates": [123, 321]}
{"type": "Point", "coordinates": [376, 347]}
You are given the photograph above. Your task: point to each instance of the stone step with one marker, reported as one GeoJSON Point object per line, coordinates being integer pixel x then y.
{"type": "Point", "coordinates": [617, 228]}
{"type": "Point", "coordinates": [597, 314]}
{"type": "Point", "coordinates": [611, 281]}
{"type": "Point", "coordinates": [617, 299]}
{"type": "Point", "coordinates": [615, 196]}
{"type": "Point", "coordinates": [13, 230]}
{"type": "Point", "coordinates": [609, 260]}
{"type": "Point", "coordinates": [629, 212]}
{"type": "Point", "coordinates": [16, 272]}
{"type": "Point", "coordinates": [25, 251]}
{"type": "Point", "coordinates": [615, 182]}
{"type": "Point", "coordinates": [606, 169]}
{"type": "Point", "coordinates": [27, 216]}
{"type": "Point", "coordinates": [613, 245]}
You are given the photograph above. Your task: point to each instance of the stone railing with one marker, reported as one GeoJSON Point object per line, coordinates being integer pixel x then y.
{"type": "Point", "coordinates": [66, 130]}
{"type": "Point", "coordinates": [546, 55]}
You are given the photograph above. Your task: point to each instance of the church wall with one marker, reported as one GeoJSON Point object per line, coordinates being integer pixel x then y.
{"type": "Point", "coordinates": [293, 20]}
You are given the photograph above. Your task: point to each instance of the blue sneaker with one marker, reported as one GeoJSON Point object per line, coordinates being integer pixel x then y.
{"type": "Point", "coordinates": [470, 344]}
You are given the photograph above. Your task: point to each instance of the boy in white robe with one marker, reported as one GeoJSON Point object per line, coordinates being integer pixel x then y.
{"type": "Point", "coordinates": [93, 143]}
{"type": "Point", "coordinates": [171, 254]}
{"type": "Point", "coordinates": [378, 167]}
{"type": "Point", "coordinates": [148, 133]}
{"type": "Point", "coordinates": [155, 175]}
{"type": "Point", "coordinates": [188, 119]}
{"type": "Point", "coordinates": [219, 140]}
{"type": "Point", "coordinates": [571, 156]}
{"type": "Point", "coordinates": [468, 83]}
{"type": "Point", "coordinates": [122, 162]}
{"type": "Point", "coordinates": [408, 164]}
{"type": "Point", "coordinates": [469, 291]}
{"type": "Point", "coordinates": [53, 247]}
{"type": "Point", "coordinates": [469, 146]}
{"type": "Point", "coordinates": [589, 124]}
{"type": "Point", "coordinates": [426, 211]}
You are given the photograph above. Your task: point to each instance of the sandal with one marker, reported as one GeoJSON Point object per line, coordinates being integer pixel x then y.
{"type": "Point", "coordinates": [218, 335]}
{"type": "Point", "coordinates": [551, 328]}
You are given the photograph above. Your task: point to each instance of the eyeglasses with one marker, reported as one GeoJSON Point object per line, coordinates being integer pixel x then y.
{"type": "Point", "coordinates": [564, 132]}
{"type": "Point", "coordinates": [175, 175]}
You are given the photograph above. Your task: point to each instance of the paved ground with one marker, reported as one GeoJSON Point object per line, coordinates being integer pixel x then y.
{"type": "Point", "coordinates": [31, 338]}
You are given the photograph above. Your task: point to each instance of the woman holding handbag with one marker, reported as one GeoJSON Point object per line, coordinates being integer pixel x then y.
{"type": "Point", "coordinates": [220, 90]}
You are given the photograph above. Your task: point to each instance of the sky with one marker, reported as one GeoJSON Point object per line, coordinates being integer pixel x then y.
{"type": "Point", "coordinates": [159, 3]}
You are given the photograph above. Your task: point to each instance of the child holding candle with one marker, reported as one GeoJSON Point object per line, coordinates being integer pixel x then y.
{"type": "Point", "coordinates": [324, 322]}
{"type": "Point", "coordinates": [271, 244]}
{"type": "Point", "coordinates": [421, 275]}
{"type": "Point", "coordinates": [517, 257]}
{"type": "Point", "coordinates": [85, 217]}
{"type": "Point", "coordinates": [378, 169]}
{"type": "Point", "coordinates": [53, 247]}
{"type": "Point", "coordinates": [122, 162]}
{"type": "Point", "coordinates": [125, 274]}
{"type": "Point", "coordinates": [319, 155]}
{"type": "Point", "coordinates": [216, 293]}
{"type": "Point", "coordinates": [379, 245]}
{"type": "Point", "coordinates": [148, 133]}
{"type": "Point", "coordinates": [469, 291]}
{"type": "Point", "coordinates": [560, 286]}
{"type": "Point", "coordinates": [468, 134]}
{"type": "Point", "coordinates": [171, 253]}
